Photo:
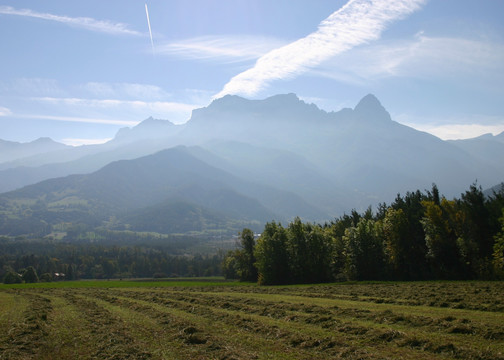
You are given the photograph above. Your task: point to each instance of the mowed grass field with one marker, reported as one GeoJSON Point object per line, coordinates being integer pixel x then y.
{"type": "Point", "coordinates": [183, 320]}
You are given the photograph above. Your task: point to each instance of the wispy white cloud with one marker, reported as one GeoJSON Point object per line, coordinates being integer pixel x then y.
{"type": "Point", "coordinates": [418, 57]}
{"type": "Point", "coordinates": [126, 101]}
{"type": "Point", "coordinates": [103, 26]}
{"type": "Point", "coordinates": [356, 23]}
{"type": "Point", "coordinates": [125, 90]}
{"type": "Point", "coordinates": [226, 48]}
{"type": "Point", "coordinates": [176, 112]}
{"type": "Point", "coordinates": [78, 119]}
{"type": "Point", "coordinates": [156, 106]}
{"type": "Point", "coordinates": [196, 96]}
{"type": "Point", "coordinates": [31, 87]}
{"type": "Point", "coordinates": [446, 57]}
{"type": "Point", "coordinates": [79, 142]}
{"type": "Point", "coordinates": [5, 111]}
{"type": "Point", "coordinates": [40, 87]}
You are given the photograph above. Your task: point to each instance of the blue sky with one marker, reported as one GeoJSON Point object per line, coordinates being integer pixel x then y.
{"type": "Point", "coordinates": [77, 71]}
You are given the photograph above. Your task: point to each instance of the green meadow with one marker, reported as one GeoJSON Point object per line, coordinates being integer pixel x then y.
{"type": "Point", "coordinates": [212, 319]}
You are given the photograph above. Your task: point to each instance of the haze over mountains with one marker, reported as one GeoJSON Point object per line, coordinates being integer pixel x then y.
{"type": "Point", "coordinates": [10, 150]}
{"type": "Point", "coordinates": [236, 162]}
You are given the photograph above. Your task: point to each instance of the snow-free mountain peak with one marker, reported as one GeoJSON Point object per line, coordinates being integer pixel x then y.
{"type": "Point", "coordinates": [233, 103]}
{"type": "Point", "coordinates": [149, 128]}
{"type": "Point", "coordinates": [370, 109]}
{"type": "Point", "coordinates": [235, 109]}
{"type": "Point", "coordinates": [45, 140]}
{"type": "Point", "coordinates": [11, 150]}
{"type": "Point", "coordinates": [226, 103]}
{"type": "Point", "coordinates": [369, 101]}
{"type": "Point", "coordinates": [283, 99]}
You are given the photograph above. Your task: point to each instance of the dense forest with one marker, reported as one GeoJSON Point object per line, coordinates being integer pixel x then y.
{"type": "Point", "coordinates": [420, 236]}
{"type": "Point", "coordinates": [105, 255]}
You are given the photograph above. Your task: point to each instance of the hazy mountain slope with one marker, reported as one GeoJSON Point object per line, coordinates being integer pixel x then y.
{"type": "Point", "coordinates": [67, 154]}
{"type": "Point", "coordinates": [148, 137]}
{"type": "Point", "coordinates": [486, 148]}
{"type": "Point", "coordinates": [10, 150]}
{"type": "Point", "coordinates": [140, 182]}
{"type": "Point", "coordinates": [179, 216]}
{"type": "Point", "coordinates": [87, 162]}
{"type": "Point", "coordinates": [131, 185]}
{"type": "Point", "coordinates": [382, 157]}
{"type": "Point", "coordinates": [150, 129]}
{"type": "Point", "coordinates": [281, 121]}
{"type": "Point", "coordinates": [173, 217]}
{"type": "Point", "coordinates": [494, 189]}
{"type": "Point", "coordinates": [281, 169]}
{"type": "Point", "coordinates": [361, 149]}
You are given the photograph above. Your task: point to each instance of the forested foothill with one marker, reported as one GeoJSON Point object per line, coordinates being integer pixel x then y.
{"type": "Point", "coordinates": [420, 236]}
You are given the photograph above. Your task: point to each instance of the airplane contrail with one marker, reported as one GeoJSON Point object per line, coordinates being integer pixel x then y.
{"type": "Point", "coordinates": [355, 23]}
{"type": "Point", "coordinates": [150, 31]}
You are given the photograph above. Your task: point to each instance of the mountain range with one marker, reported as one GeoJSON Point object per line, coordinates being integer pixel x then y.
{"type": "Point", "coordinates": [236, 163]}
{"type": "Point", "coordinates": [10, 150]}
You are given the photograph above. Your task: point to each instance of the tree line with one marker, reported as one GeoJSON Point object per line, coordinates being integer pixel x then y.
{"type": "Point", "coordinates": [420, 236]}
{"type": "Point", "coordinates": [32, 261]}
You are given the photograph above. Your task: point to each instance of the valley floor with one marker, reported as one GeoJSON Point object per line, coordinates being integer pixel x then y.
{"type": "Point", "coordinates": [422, 320]}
